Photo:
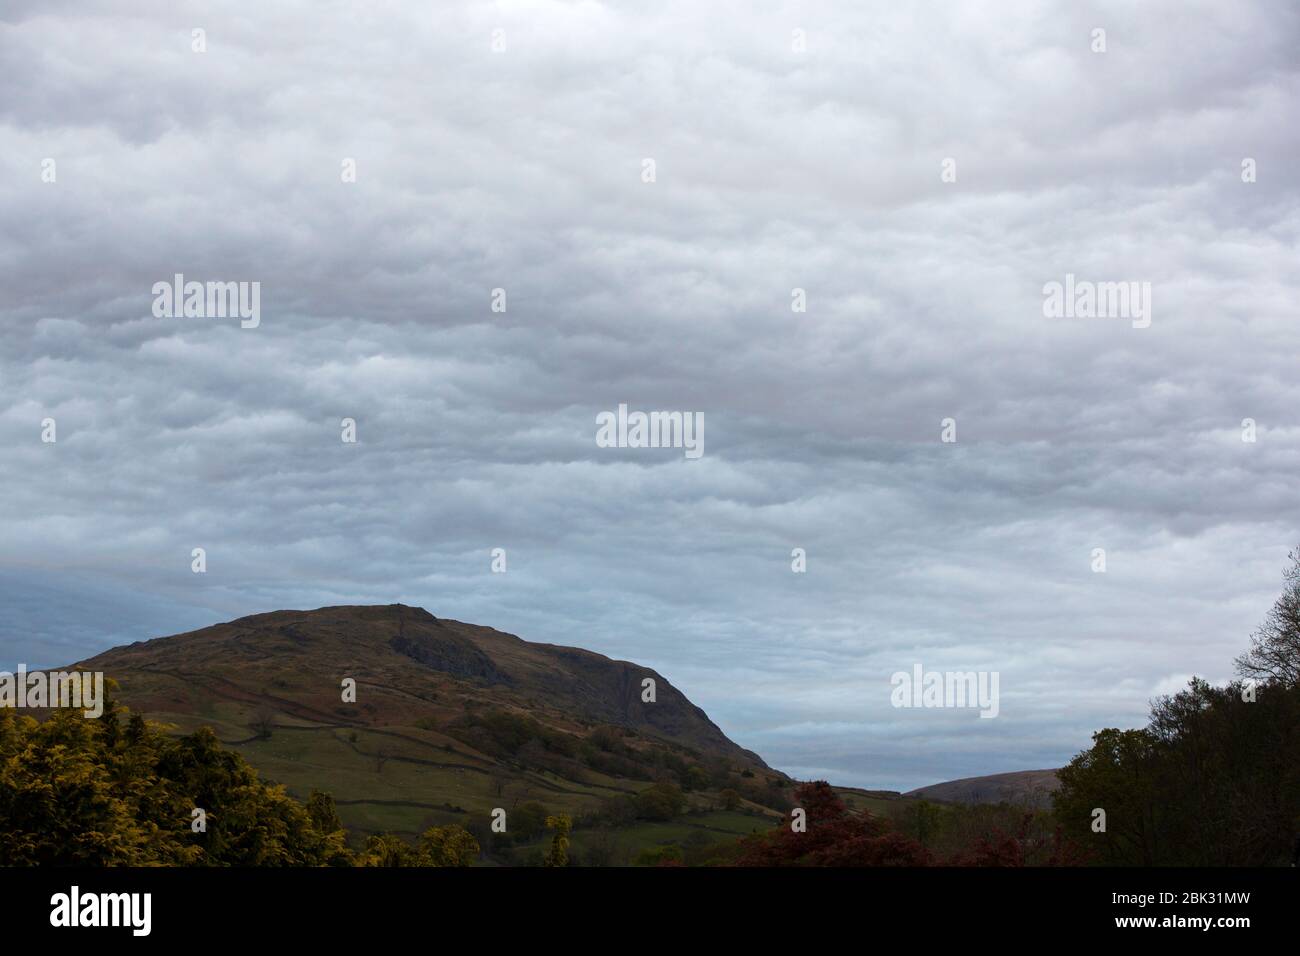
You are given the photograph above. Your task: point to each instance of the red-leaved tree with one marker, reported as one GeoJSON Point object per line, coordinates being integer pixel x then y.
{"type": "Point", "coordinates": [835, 836]}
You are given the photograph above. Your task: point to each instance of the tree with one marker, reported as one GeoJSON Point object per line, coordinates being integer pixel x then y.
{"type": "Point", "coordinates": [558, 855]}
{"type": "Point", "coordinates": [834, 836]}
{"type": "Point", "coordinates": [249, 823]}
{"type": "Point", "coordinates": [607, 739]}
{"type": "Point", "coordinates": [82, 792]}
{"type": "Point", "coordinates": [527, 820]}
{"type": "Point", "coordinates": [325, 819]}
{"type": "Point", "coordinates": [1275, 647]}
{"type": "Point", "coordinates": [498, 783]}
{"type": "Point", "coordinates": [385, 849]}
{"type": "Point", "coordinates": [324, 815]}
{"type": "Point", "coordinates": [921, 819]}
{"type": "Point", "coordinates": [1023, 848]}
{"type": "Point", "coordinates": [660, 801]}
{"type": "Point", "coordinates": [262, 723]}
{"type": "Point", "coordinates": [448, 846]}
{"type": "Point", "coordinates": [1117, 776]}
{"type": "Point", "coordinates": [695, 778]}
{"type": "Point", "coordinates": [1213, 780]}
{"type": "Point", "coordinates": [730, 799]}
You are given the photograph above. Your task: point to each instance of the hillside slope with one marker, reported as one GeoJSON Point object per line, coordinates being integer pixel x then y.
{"type": "Point", "coordinates": [449, 719]}
{"type": "Point", "coordinates": [1032, 788]}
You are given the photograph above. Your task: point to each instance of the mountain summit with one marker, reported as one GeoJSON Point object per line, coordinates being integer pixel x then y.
{"type": "Point", "coordinates": [391, 707]}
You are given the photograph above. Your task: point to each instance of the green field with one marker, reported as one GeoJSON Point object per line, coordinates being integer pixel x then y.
{"type": "Point", "coordinates": [405, 779]}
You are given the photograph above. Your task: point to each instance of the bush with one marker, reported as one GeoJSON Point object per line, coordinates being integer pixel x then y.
{"type": "Point", "coordinates": [77, 792]}
{"type": "Point", "coordinates": [662, 801]}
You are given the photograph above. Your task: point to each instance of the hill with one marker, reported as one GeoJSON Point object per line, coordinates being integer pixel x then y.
{"type": "Point", "coordinates": [1032, 788]}
{"type": "Point", "coordinates": [449, 720]}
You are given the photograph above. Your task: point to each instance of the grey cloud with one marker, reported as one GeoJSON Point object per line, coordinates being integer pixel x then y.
{"type": "Point", "coordinates": [775, 170]}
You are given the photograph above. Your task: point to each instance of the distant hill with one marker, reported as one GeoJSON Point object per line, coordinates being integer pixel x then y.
{"type": "Point", "coordinates": [1030, 787]}
{"type": "Point", "coordinates": [449, 721]}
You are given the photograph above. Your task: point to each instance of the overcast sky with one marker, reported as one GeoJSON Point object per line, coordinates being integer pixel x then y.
{"type": "Point", "coordinates": [521, 167]}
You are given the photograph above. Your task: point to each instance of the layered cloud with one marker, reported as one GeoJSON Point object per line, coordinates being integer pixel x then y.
{"type": "Point", "coordinates": [503, 147]}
